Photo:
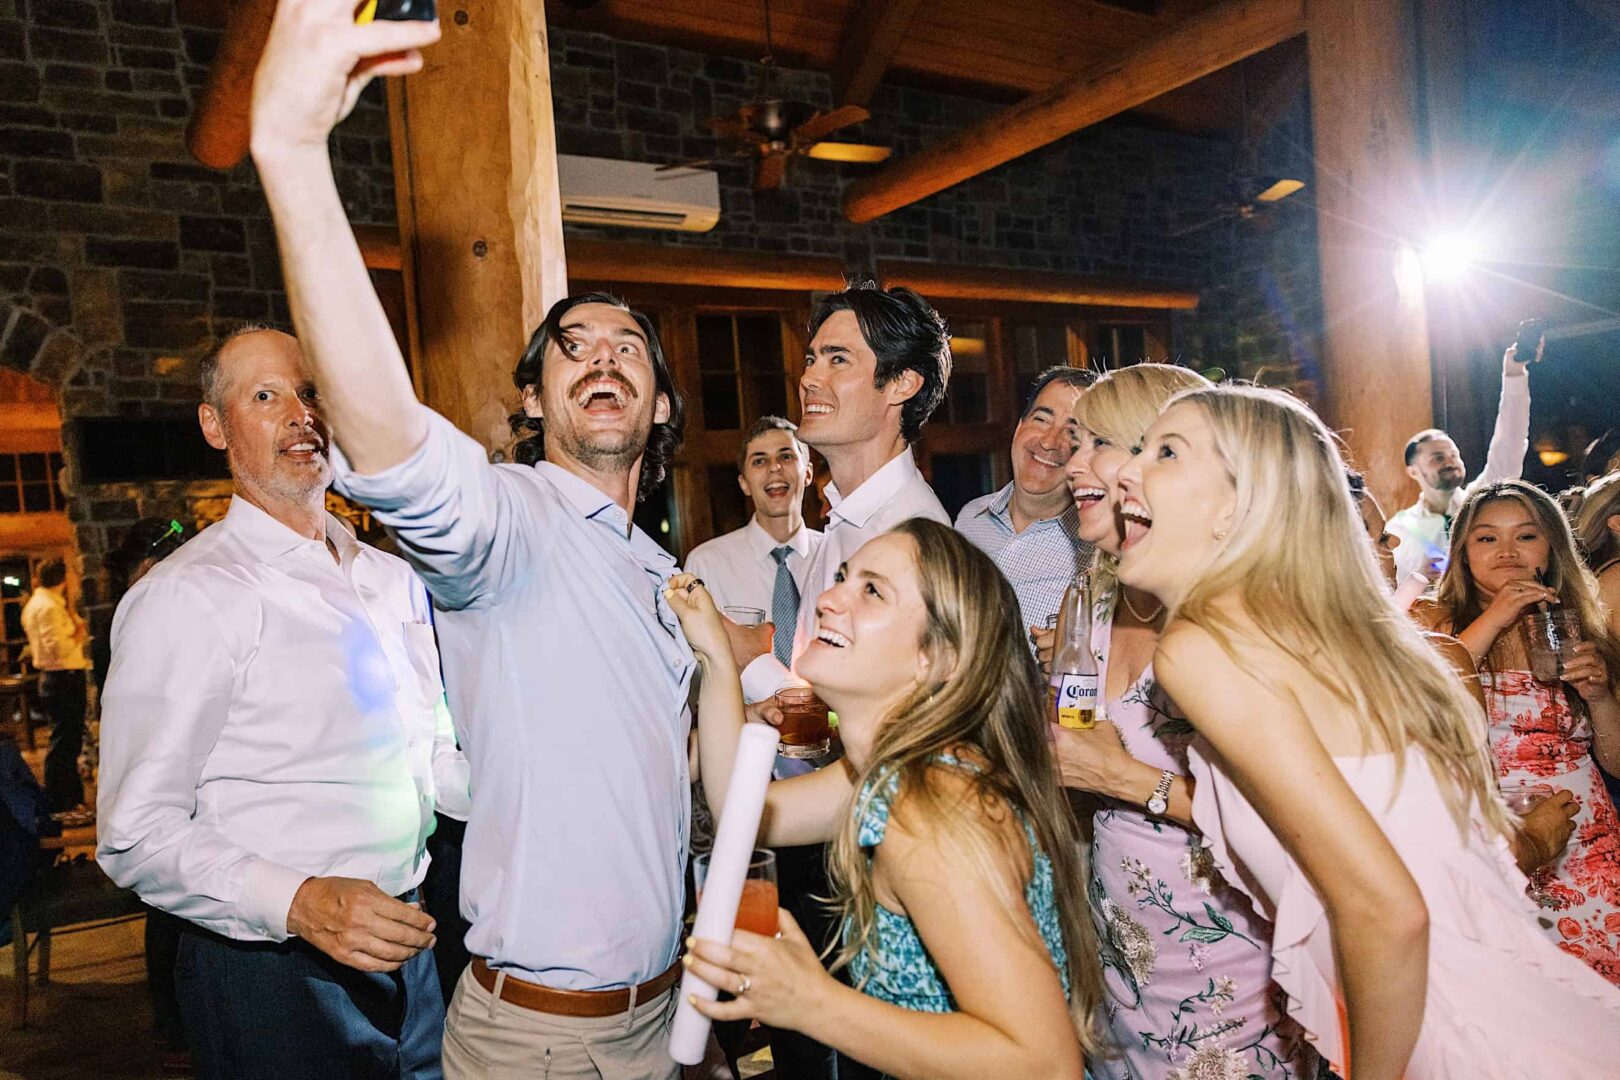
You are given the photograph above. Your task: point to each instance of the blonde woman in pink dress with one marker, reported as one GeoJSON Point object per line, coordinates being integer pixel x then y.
{"type": "Point", "coordinates": [1341, 774]}
{"type": "Point", "coordinates": [1548, 738]}
{"type": "Point", "coordinates": [1187, 959]}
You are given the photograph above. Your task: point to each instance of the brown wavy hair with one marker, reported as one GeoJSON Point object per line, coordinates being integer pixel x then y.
{"type": "Point", "coordinates": [984, 704]}
{"type": "Point", "coordinates": [663, 442]}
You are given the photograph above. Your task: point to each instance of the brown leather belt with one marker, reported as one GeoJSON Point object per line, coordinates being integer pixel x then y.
{"type": "Point", "coordinates": [581, 1003]}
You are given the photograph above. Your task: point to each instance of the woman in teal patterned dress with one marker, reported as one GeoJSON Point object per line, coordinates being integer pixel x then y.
{"type": "Point", "coordinates": [955, 860]}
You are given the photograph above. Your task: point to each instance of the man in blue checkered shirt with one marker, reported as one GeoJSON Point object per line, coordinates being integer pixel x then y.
{"type": "Point", "coordinates": [1030, 526]}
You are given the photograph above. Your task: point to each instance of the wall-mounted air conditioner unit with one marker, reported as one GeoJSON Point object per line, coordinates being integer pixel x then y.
{"type": "Point", "coordinates": [633, 194]}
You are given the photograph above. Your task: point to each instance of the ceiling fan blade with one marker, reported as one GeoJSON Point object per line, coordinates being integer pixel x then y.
{"type": "Point", "coordinates": [770, 172]}
{"type": "Point", "coordinates": [697, 163]}
{"type": "Point", "coordinates": [1201, 224]}
{"type": "Point", "coordinates": [828, 122]}
{"type": "Point", "coordinates": [859, 153]}
{"type": "Point", "coordinates": [1279, 191]}
{"type": "Point", "coordinates": [734, 128]}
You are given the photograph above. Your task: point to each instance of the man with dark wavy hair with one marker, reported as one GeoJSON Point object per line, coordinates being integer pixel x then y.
{"type": "Point", "coordinates": [567, 672]}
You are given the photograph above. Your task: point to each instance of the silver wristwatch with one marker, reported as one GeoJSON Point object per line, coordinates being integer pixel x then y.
{"type": "Point", "coordinates": [1159, 801]}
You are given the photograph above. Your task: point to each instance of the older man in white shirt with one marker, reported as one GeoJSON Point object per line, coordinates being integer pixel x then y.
{"type": "Point", "coordinates": [274, 747]}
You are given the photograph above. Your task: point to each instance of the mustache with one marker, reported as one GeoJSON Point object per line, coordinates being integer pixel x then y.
{"type": "Point", "coordinates": [601, 376]}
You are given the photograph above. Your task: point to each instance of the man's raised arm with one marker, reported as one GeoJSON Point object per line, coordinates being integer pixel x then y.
{"type": "Point", "coordinates": [315, 64]}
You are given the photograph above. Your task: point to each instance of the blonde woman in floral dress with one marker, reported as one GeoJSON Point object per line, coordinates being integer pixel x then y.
{"type": "Point", "coordinates": [1187, 960]}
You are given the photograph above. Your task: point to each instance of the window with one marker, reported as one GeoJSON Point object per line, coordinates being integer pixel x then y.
{"type": "Point", "coordinates": [967, 399]}
{"type": "Point", "coordinates": [1036, 347]}
{"type": "Point", "coordinates": [1117, 345]}
{"type": "Point", "coordinates": [740, 369]}
{"type": "Point", "coordinates": [961, 478]}
{"type": "Point", "coordinates": [30, 483]}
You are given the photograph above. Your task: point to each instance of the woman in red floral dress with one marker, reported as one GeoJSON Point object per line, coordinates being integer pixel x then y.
{"type": "Point", "coordinates": [1511, 552]}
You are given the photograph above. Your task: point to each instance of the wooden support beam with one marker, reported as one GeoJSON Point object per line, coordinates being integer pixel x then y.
{"type": "Point", "coordinates": [1206, 42]}
{"type": "Point", "coordinates": [656, 264]}
{"type": "Point", "coordinates": [872, 36]}
{"type": "Point", "coordinates": [218, 132]}
{"type": "Point", "coordinates": [475, 176]}
{"type": "Point", "coordinates": [1370, 208]}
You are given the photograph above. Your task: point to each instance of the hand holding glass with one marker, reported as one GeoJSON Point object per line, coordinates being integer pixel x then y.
{"type": "Point", "coordinates": [806, 730]}
{"type": "Point", "coordinates": [756, 912]}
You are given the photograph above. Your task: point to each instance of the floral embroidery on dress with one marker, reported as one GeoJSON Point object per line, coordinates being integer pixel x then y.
{"type": "Point", "coordinates": [1538, 738]}
{"type": "Point", "coordinates": [1185, 956]}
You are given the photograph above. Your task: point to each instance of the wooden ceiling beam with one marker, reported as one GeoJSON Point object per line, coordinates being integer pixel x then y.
{"type": "Point", "coordinates": [641, 263]}
{"type": "Point", "coordinates": [871, 39]}
{"type": "Point", "coordinates": [219, 130]}
{"type": "Point", "coordinates": [1213, 39]}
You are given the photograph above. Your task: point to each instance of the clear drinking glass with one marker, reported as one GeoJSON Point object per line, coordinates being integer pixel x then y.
{"type": "Point", "coordinates": [1551, 637]}
{"type": "Point", "coordinates": [744, 616]}
{"type": "Point", "coordinates": [806, 729]}
{"type": "Point", "coordinates": [756, 912]}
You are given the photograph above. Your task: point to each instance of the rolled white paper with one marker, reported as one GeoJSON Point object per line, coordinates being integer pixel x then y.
{"type": "Point", "coordinates": [1407, 593]}
{"type": "Point", "coordinates": [722, 889]}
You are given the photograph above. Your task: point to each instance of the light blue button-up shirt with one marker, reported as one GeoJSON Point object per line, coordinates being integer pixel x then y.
{"type": "Point", "coordinates": [567, 674]}
{"type": "Point", "coordinates": [1040, 561]}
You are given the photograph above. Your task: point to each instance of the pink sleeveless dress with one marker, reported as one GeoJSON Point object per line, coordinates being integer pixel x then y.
{"type": "Point", "coordinates": [1540, 743]}
{"type": "Point", "coordinates": [1186, 960]}
{"type": "Point", "coordinates": [1503, 1002]}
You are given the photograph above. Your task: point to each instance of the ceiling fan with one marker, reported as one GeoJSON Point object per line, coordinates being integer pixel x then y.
{"type": "Point", "coordinates": [770, 129]}
{"type": "Point", "coordinates": [1251, 192]}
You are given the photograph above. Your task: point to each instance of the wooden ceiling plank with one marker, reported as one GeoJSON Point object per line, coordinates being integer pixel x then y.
{"type": "Point", "coordinates": [1214, 39]}
{"type": "Point", "coordinates": [873, 34]}
{"type": "Point", "coordinates": [218, 132]}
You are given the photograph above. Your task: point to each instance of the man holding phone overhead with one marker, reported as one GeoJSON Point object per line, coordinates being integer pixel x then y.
{"type": "Point", "coordinates": [1433, 460]}
{"type": "Point", "coordinates": [566, 669]}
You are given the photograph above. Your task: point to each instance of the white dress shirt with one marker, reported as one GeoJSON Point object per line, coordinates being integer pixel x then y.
{"type": "Point", "coordinates": [740, 571]}
{"type": "Point", "coordinates": [1425, 534]}
{"type": "Point", "coordinates": [54, 639]}
{"type": "Point", "coordinates": [271, 714]}
{"type": "Point", "coordinates": [568, 676]}
{"type": "Point", "coordinates": [895, 493]}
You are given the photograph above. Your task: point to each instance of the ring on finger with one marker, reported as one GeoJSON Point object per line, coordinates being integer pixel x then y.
{"type": "Point", "coordinates": [743, 985]}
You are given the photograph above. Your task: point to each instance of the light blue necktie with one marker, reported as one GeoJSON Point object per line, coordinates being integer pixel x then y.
{"type": "Point", "coordinates": [784, 606]}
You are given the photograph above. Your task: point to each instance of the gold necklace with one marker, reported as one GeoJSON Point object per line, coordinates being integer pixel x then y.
{"type": "Point", "coordinates": [1126, 597]}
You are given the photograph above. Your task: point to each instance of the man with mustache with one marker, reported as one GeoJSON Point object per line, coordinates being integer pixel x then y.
{"type": "Point", "coordinates": [273, 749]}
{"type": "Point", "coordinates": [1434, 462]}
{"type": "Point", "coordinates": [567, 671]}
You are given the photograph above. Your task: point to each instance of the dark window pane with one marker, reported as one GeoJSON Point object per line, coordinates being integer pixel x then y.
{"type": "Point", "coordinates": [36, 498]}
{"type": "Point", "coordinates": [720, 405]}
{"type": "Point", "coordinates": [1119, 345]}
{"type": "Point", "coordinates": [728, 506]}
{"type": "Point", "coordinates": [970, 347]}
{"type": "Point", "coordinates": [759, 343]}
{"type": "Point", "coordinates": [767, 396]}
{"type": "Point", "coordinates": [961, 478]}
{"type": "Point", "coordinates": [8, 499]}
{"type": "Point", "coordinates": [32, 466]}
{"type": "Point", "coordinates": [716, 349]}
{"type": "Point", "coordinates": [655, 516]}
{"type": "Point", "coordinates": [8, 468]}
{"type": "Point", "coordinates": [967, 400]}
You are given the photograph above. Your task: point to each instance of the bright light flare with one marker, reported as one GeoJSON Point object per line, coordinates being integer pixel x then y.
{"type": "Point", "coordinates": [1449, 257]}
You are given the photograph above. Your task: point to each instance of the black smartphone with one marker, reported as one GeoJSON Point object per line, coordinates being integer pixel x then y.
{"type": "Point", "coordinates": [406, 10]}
{"type": "Point", "coordinates": [1528, 341]}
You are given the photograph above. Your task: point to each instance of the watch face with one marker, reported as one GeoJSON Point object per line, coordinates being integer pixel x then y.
{"type": "Point", "coordinates": [1157, 805]}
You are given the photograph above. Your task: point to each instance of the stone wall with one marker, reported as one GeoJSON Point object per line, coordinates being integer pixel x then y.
{"type": "Point", "coordinates": [120, 256]}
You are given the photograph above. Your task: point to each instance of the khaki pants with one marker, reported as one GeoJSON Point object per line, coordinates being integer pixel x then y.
{"type": "Point", "coordinates": [489, 1039]}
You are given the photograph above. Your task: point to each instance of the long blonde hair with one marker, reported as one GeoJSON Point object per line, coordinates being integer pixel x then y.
{"type": "Point", "coordinates": [1598, 541]}
{"type": "Point", "coordinates": [1120, 406]}
{"type": "Point", "coordinates": [1459, 597]}
{"type": "Point", "coordinates": [985, 704]}
{"type": "Point", "coordinates": [1298, 557]}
